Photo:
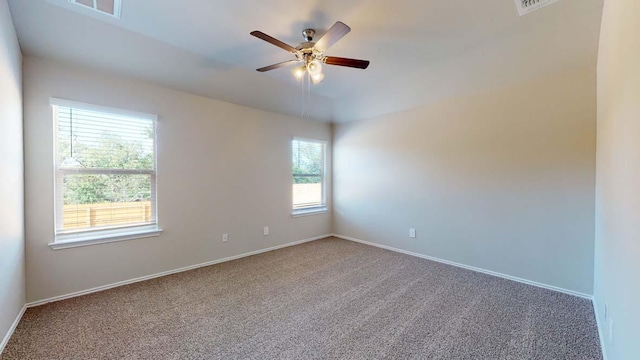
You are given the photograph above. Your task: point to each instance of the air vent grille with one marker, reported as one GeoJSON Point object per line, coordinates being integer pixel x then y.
{"type": "Point", "coordinates": [527, 6]}
{"type": "Point", "coordinates": [105, 7]}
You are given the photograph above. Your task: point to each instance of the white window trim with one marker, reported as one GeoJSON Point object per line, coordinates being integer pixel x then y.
{"type": "Point", "coordinates": [315, 210]}
{"type": "Point", "coordinates": [310, 211]}
{"type": "Point", "coordinates": [99, 108]}
{"type": "Point", "coordinates": [88, 237]}
{"type": "Point", "coordinates": [117, 8]}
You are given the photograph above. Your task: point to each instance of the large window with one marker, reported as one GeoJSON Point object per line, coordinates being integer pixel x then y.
{"type": "Point", "coordinates": [105, 172]}
{"type": "Point", "coordinates": [308, 165]}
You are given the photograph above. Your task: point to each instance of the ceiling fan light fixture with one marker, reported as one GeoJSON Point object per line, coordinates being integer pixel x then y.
{"type": "Point", "coordinates": [316, 79]}
{"type": "Point", "coordinates": [298, 72]}
{"type": "Point", "coordinates": [310, 53]}
{"type": "Point", "coordinates": [314, 67]}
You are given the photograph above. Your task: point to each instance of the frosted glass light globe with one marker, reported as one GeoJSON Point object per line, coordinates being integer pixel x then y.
{"type": "Point", "coordinates": [314, 67]}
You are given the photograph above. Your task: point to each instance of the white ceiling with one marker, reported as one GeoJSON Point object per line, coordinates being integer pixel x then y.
{"type": "Point", "coordinates": [420, 50]}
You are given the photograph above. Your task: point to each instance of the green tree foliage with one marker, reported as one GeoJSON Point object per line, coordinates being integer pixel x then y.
{"type": "Point", "coordinates": [109, 150]}
{"type": "Point", "coordinates": [307, 162]}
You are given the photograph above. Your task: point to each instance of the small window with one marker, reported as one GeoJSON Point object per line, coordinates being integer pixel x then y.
{"type": "Point", "coordinates": [105, 171]}
{"type": "Point", "coordinates": [309, 186]}
{"type": "Point", "coordinates": [106, 7]}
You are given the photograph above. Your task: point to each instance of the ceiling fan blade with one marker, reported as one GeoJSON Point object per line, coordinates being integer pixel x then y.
{"type": "Point", "coordinates": [337, 31]}
{"type": "Point", "coordinates": [274, 41]}
{"type": "Point", "coordinates": [354, 63]}
{"type": "Point", "coordinates": [278, 65]}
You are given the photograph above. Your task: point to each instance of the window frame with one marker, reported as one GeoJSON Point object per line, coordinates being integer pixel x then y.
{"type": "Point", "coordinates": [323, 207]}
{"type": "Point", "coordinates": [90, 236]}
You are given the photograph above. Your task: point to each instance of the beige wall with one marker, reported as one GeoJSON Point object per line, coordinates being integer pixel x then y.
{"type": "Point", "coordinates": [12, 278]}
{"type": "Point", "coordinates": [617, 269]}
{"type": "Point", "coordinates": [501, 180]}
{"type": "Point", "coordinates": [222, 168]}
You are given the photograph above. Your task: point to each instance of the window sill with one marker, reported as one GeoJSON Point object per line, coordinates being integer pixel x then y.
{"type": "Point", "coordinates": [68, 241]}
{"type": "Point", "coordinates": [309, 212]}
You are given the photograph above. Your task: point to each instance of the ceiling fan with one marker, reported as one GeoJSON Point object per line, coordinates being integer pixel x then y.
{"type": "Point", "coordinates": [311, 53]}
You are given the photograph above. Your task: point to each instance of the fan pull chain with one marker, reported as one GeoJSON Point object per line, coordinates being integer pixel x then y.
{"type": "Point", "coordinates": [305, 97]}
{"type": "Point", "coordinates": [308, 95]}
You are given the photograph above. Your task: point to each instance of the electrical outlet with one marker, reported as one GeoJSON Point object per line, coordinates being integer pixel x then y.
{"type": "Point", "coordinates": [225, 237]}
{"type": "Point", "coordinates": [265, 231]}
{"type": "Point", "coordinates": [412, 233]}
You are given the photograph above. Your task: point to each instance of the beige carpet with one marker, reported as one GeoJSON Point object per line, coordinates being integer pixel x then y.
{"type": "Point", "coordinates": [328, 299]}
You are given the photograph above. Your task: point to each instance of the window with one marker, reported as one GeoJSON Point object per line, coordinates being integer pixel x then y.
{"type": "Point", "coordinates": [106, 7]}
{"type": "Point", "coordinates": [105, 174]}
{"type": "Point", "coordinates": [308, 165]}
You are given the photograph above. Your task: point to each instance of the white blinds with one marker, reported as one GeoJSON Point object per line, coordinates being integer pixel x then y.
{"type": "Point", "coordinates": [308, 167]}
{"type": "Point", "coordinates": [105, 168]}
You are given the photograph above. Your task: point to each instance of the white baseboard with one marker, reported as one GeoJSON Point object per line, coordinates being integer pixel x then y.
{"type": "Point", "coordinates": [169, 272]}
{"type": "Point", "coordinates": [13, 327]}
{"type": "Point", "coordinates": [600, 329]}
{"type": "Point", "coordinates": [484, 271]}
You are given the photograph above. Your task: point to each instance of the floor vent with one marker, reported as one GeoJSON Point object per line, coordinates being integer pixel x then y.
{"type": "Point", "coordinates": [527, 6]}
{"type": "Point", "coordinates": [104, 7]}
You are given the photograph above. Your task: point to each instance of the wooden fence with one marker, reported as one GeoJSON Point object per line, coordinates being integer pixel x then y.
{"type": "Point", "coordinates": [96, 215]}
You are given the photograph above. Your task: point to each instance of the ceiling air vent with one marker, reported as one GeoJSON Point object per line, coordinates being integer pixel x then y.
{"type": "Point", "coordinates": [527, 6]}
{"type": "Point", "coordinates": [105, 7]}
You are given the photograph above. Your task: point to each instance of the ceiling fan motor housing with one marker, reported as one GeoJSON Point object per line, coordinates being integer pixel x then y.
{"type": "Point", "coordinates": [308, 34]}
{"type": "Point", "coordinates": [307, 51]}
